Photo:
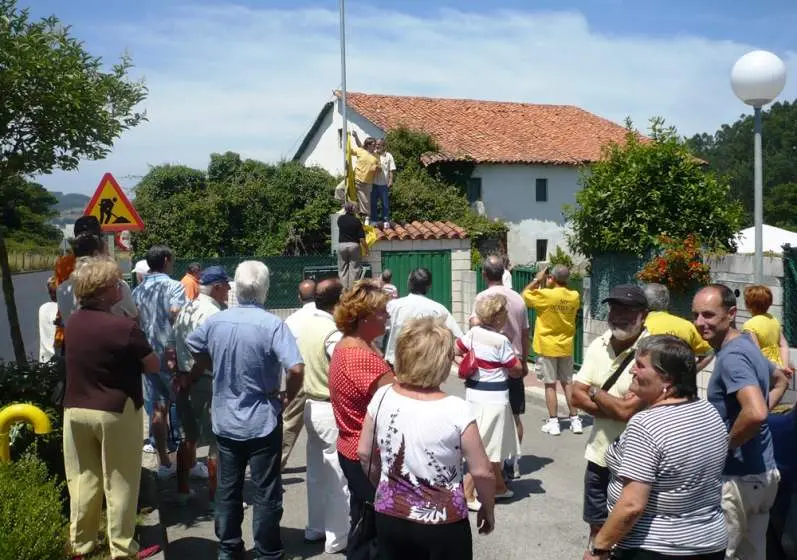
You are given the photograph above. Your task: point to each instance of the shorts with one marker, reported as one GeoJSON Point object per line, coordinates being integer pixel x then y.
{"type": "Point", "coordinates": [193, 409]}
{"type": "Point", "coordinates": [517, 395]}
{"type": "Point", "coordinates": [158, 388]}
{"type": "Point", "coordinates": [596, 488]}
{"type": "Point", "coordinates": [551, 370]}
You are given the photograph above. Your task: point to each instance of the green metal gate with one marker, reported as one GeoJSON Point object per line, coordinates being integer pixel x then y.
{"type": "Point", "coordinates": [401, 263]}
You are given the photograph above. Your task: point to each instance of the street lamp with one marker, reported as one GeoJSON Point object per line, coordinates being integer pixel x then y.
{"type": "Point", "coordinates": [757, 79]}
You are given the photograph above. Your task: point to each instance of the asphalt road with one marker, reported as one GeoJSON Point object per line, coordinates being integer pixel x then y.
{"type": "Point", "coordinates": [542, 520]}
{"type": "Point", "coordinates": [30, 291]}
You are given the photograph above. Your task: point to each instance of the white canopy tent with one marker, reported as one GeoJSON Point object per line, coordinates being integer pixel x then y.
{"type": "Point", "coordinates": [774, 239]}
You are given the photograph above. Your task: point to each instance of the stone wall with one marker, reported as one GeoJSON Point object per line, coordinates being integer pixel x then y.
{"type": "Point", "coordinates": [735, 271]}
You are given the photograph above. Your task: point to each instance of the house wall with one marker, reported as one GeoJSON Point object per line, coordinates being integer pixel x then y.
{"type": "Point", "coordinates": [463, 279]}
{"type": "Point", "coordinates": [325, 150]}
{"type": "Point", "coordinates": [735, 271]}
{"type": "Point", "coordinates": [509, 193]}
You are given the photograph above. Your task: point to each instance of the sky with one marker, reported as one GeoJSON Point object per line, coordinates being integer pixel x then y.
{"type": "Point", "coordinates": [250, 76]}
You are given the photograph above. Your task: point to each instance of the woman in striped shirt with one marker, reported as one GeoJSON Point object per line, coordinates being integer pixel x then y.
{"type": "Point", "coordinates": [665, 491]}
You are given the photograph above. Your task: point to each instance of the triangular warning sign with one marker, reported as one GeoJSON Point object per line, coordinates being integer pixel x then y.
{"type": "Point", "coordinates": [112, 208]}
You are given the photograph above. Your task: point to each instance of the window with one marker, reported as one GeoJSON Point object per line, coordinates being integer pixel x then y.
{"type": "Point", "coordinates": [542, 250]}
{"type": "Point", "coordinates": [340, 138]}
{"type": "Point", "coordinates": [542, 190]}
{"type": "Point", "coordinates": [474, 188]}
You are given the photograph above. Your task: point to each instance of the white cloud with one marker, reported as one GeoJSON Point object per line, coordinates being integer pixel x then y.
{"type": "Point", "coordinates": [252, 80]}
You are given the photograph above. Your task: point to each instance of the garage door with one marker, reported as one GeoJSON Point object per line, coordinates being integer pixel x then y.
{"type": "Point", "coordinates": [401, 263]}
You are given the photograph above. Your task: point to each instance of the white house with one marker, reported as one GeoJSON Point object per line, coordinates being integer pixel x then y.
{"type": "Point", "coordinates": [528, 157]}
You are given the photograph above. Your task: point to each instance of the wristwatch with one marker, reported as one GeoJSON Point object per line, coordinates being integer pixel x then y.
{"type": "Point", "coordinates": [595, 551]}
{"type": "Point", "coordinates": [592, 392]}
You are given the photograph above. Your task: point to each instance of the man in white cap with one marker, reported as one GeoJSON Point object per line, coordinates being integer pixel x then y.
{"type": "Point", "coordinates": [141, 269]}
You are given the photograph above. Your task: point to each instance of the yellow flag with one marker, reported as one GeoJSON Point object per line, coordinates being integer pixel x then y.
{"type": "Point", "coordinates": [351, 189]}
{"type": "Point", "coordinates": [370, 235]}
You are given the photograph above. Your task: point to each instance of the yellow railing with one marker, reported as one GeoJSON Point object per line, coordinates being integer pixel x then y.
{"type": "Point", "coordinates": [14, 413]}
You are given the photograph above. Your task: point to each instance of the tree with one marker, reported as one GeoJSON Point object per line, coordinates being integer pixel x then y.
{"type": "Point", "coordinates": [646, 188]}
{"type": "Point", "coordinates": [780, 206]}
{"type": "Point", "coordinates": [59, 106]}
{"type": "Point", "coordinates": [25, 208]}
{"type": "Point", "coordinates": [729, 152]}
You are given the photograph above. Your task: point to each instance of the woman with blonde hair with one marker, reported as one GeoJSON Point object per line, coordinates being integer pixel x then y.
{"type": "Point", "coordinates": [487, 389]}
{"type": "Point", "coordinates": [356, 371]}
{"type": "Point", "coordinates": [413, 441]}
{"type": "Point", "coordinates": [102, 412]}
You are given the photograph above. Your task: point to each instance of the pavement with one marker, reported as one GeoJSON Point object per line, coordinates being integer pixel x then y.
{"type": "Point", "coordinates": [542, 520]}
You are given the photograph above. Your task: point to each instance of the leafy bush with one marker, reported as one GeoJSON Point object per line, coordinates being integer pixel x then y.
{"type": "Point", "coordinates": [560, 257]}
{"type": "Point", "coordinates": [31, 522]}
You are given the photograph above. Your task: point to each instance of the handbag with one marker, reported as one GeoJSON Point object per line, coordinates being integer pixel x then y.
{"type": "Point", "coordinates": [468, 366]}
{"type": "Point", "coordinates": [362, 537]}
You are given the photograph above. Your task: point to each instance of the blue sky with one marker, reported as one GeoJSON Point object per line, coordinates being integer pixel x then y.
{"type": "Point", "coordinates": [250, 75]}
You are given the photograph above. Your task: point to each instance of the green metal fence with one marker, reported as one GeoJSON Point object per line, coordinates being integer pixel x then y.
{"type": "Point", "coordinates": [522, 277]}
{"type": "Point", "coordinates": [790, 294]}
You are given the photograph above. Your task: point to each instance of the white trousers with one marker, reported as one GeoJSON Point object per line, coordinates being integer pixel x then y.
{"type": "Point", "coordinates": [327, 489]}
{"type": "Point", "coordinates": [746, 501]}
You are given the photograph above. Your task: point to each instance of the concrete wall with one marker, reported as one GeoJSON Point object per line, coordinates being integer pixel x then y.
{"type": "Point", "coordinates": [509, 193]}
{"type": "Point", "coordinates": [463, 279]}
{"type": "Point", "coordinates": [735, 271]}
{"type": "Point", "coordinates": [325, 149]}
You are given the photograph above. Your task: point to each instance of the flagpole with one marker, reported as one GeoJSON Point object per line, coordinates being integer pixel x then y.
{"type": "Point", "coordinates": [344, 129]}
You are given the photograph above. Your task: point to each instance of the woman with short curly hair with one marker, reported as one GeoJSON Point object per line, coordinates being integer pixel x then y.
{"type": "Point", "coordinates": [356, 371]}
{"type": "Point", "coordinates": [102, 412]}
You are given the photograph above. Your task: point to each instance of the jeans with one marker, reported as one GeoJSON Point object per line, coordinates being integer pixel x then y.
{"type": "Point", "coordinates": [156, 389]}
{"type": "Point", "coordinates": [380, 194]}
{"type": "Point", "coordinates": [263, 457]}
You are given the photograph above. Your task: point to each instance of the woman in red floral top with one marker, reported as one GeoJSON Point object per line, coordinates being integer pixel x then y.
{"type": "Point", "coordinates": [356, 371]}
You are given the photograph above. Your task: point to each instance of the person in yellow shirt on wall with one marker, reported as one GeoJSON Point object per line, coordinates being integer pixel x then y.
{"type": "Point", "coordinates": [364, 172]}
{"type": "Point", "coordinates": [766, 330]}
{"type": "Point", "coordinates": [661, 321]}
{"type": "Point", "coordinates": [554, 330]}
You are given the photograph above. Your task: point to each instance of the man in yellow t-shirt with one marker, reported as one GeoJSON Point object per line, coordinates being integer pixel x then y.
{"type": "Point", "coordinates": [660, 321]}
{"type": "Point", "coordinates": [364, 172]}
{"type": "Point", "coordinates": [556, 308]}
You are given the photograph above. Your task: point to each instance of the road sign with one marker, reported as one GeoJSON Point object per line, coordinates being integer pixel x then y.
{"type": "Point", "coordinates": [112, 208]}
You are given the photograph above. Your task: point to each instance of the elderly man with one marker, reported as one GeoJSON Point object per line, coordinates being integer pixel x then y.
{"type": "Point", "coordinates": [601, 389]}
{"type": "Point", "coordinates": [327, 491]}
{"type": "Point", "coordinates": [413, 306]}
{"type": "Point", "coordinates": [246, 348]}
{"type": "Point", "coordinates": [739, 388]}
{"type": "Point", "coordinates": [556, 306]}
{"type": "Point", "coordinates": [194, 385]}
{"type": "Point", "coordinates": [516, 330]}
{"type": "Point", "coordinates": [159, 300]}
{"type": "Point", "coordinates": [661, 321]}
{"type": "Point", "coordinates": [293, 415]}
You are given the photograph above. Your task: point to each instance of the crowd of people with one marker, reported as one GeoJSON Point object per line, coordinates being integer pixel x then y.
{"type": "Point", "coordinates": [394, 463]}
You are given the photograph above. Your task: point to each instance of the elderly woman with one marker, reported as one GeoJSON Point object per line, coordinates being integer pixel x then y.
{"type": "Point", "coordinates": [103, 423]}
{"type": "Point", "coordinates": [665, 491]}
{"type": "Point", "coordinates": [487, 390]}
{"type": "Point", "coordinates": [422, 435]}
{"type": "Point", "coordinates": [356, 371]}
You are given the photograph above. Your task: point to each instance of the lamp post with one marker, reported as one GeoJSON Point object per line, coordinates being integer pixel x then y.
{"type": "Point", "coordinates": [757, 79]}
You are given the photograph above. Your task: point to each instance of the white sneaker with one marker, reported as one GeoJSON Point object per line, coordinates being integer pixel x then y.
{"type": "Point", "coordinates": [575, 425]}
{"type": "Point", "coordinates": [386, 225]}
{"type": "Point", "coordinates": [551, 427]}
{"type": "Point", "coordinates": [199, 470]}
{"type": "Point", "coordinates": [505, 495]}
{"type": "Point", "coordinates": [149, 448]}
{"type": "Point", "coordinates": [167, 472]}
{"type": "Point", "coordinates": [475, 505]}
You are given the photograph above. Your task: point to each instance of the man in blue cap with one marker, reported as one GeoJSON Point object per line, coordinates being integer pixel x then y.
{"type": "Point", "coordinates": [194, 386]}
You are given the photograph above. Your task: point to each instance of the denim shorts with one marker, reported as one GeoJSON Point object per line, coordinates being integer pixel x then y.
{"type": "Point", "coordinates": [596, 487]}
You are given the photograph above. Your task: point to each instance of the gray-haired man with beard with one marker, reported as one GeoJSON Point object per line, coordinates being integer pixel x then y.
{"type": "Point", "coordinates": [601, 389]}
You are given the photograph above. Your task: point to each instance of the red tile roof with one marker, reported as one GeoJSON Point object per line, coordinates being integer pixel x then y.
{"type": "Point", "coordinates": [493, 131]}
{"type": "Point", "coordinates": [422, 230]}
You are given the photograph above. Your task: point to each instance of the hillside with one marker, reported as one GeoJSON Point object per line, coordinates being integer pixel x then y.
{"type": "Point", "coordinates": [70, 207]}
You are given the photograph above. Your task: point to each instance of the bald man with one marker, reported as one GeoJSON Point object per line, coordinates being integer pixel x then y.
{"type": "Point", "coordinates": [293, 415]}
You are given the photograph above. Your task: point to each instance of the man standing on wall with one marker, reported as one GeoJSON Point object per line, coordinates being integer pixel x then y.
{"type": "Point", "coordinates": [364, 171]}
{"type": "Point", "coordinates": [383, 182]}
{"type": "Point", "coordinates": [556, 306]}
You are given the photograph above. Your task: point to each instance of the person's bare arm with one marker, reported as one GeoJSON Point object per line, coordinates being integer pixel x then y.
{"type": "Point", "coordinates": [524, 349]}
{"type": "Point", "coordinates": [534, 284]}
{"type": "Point", "coordinates": [624, 515]}
{"type": "Point", "coordinates": [368, 451]}
{"type": "Point", "coordinates": [517, 370]}
{"type": "Point", "coordinates": [294, 380]}
{"type": "Point", "coordinates": [481, 470]}
{"type": "Point", "coordinates": [581, 400]}
{"type": "Point", "coordinates": [784, 350]}
{"type": "Point", "coordinates": [753, 413]}
{"type": "Point", "coordinates": [356, 139]}
{"type": "Point", "coordinates": [151, 363]}
{"type": "Point", "coordinates": [778, 384]}
{"type": "Point", "coordinates": [616, 408]}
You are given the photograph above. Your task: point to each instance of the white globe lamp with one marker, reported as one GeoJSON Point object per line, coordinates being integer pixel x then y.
{"type": "Point", "coordinates": [757, 79]}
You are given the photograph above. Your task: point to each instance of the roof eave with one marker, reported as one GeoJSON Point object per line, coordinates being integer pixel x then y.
{"type": "Point", "coordinates": [313, 129]}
